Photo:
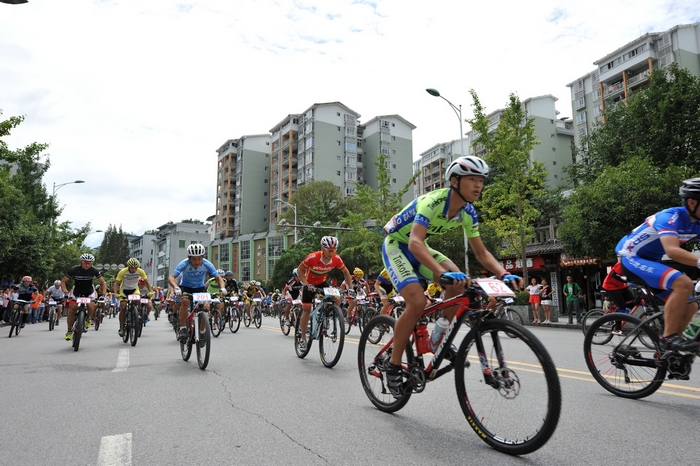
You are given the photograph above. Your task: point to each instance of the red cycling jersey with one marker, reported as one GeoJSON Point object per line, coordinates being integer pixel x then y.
{"type": "Point", "coordinates": [319, 269]}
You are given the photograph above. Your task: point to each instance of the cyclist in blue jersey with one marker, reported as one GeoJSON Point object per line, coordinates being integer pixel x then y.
{"type": "Point", "coordinates": [640, 257]}
{"type": "Point", "coordinates": [193, 270]}
{"type": "Point", "coordinates": [408, 258]}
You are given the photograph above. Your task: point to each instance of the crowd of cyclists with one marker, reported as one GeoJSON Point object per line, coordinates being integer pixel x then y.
{"type": "Point", "coordinates": [412, 268]}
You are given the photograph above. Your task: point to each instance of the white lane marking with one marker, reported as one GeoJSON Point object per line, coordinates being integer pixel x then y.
{"type": "Point", "coordinates": [115, 450]}
{"type": "Point", "coordinates": [122, 361]}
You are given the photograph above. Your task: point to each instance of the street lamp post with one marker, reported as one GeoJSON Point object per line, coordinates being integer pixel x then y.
{"type": "Point", "coordinates": [294, 208]}
{"type": "Point", "coordinates": [56, 187]}
{"type": "Point", "coordinates": [458, 112]}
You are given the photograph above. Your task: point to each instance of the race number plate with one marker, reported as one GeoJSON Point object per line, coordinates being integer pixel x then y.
{"type": "Point", "coordinates": [257, 300]}
{"type": "Point", "coordinates": [52, 303]}
{"type": "Point", "coordinates": [296, 302]}
{"type": "Point", "coordinates": [398, 298]}
{"type": "Point", "coordinates": [144, 300]}
{"type": "Point", "coordinates": [331, 291]}
{"type": "Point", "coordinates": [233, 299]}
{"type": "Point", "coordinates": [134, 297]}
{"type": "Point", "coordinates": [509, 300]}
{"type": "Point", "coordinates": [494, 287]}
{"type": "Point", "coordinates": [82, 300]}
{"type": "Point", "coordinates": [201, 297]}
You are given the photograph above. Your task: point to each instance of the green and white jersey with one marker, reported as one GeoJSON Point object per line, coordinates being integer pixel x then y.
{"type": "Point", "coordinates": [430, 210]}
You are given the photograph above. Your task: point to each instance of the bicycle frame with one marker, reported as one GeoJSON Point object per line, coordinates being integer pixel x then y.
{"type": "Point", "coordinates": [467, 309]}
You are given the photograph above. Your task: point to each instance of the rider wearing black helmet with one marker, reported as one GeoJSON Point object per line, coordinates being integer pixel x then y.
{"type": "Point", "coordinates": [642, 250]}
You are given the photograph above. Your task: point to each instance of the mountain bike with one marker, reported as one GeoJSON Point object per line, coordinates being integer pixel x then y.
{"type": "Point", "coordinates": [294, 313]}
{"type": "Point", "coordinates": [132, 324]}
{"type": "Point", "coordinates": [80, 321]}
{"type": "Point", "coordinates": [359, 312]}
{"type": "Point", "coordinates": [156, 308]}
{"type": "Point", "coordinates": [215, 320]}
{"type": "Point", "coordinates": [98, 315]}
{"type": "Point", "coordinates": [16, 316]}
{"type": "Point", "coordinates": [326, 325]}
{"type": "Point", "coordinates": [622, 353]}
{"type": "Point", "coordinates": [256, 318]}
{"type": "Point", "coordinates": [508, 388]}
{"type": "Point", "coordinates": [503, 311]}
{"type": "Point", "coordinates": [234, 314]}
{"type": "Point", "coordinates": [638, 308]}
{"type": "Point", "coordinates": [198, 331]}
{"type": "Point", "coordinates": [143, 312]}
{"type": "Point", "coordinates": [51, 313]}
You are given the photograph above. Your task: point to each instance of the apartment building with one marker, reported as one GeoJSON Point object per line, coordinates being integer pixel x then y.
{"type": "Point", "coordinates": [242, 186]}
{"type": "Point", "coordinates": [555, 150]}
{"type": "Point", "coordinates": [171, 241]}
{"type": "Point", "coordinates": [618, 74]}
{"type": "Point", "coordinates": [143, 248]}
{"type": "Point", "coordinates": [325, 142]}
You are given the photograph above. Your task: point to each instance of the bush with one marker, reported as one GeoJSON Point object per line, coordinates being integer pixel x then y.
{"type": "Point", "coordinates": [522, 298]}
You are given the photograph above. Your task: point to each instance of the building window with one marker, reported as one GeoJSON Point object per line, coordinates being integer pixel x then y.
{"type": "Point", "coordinates": [349, 146]}
{"type": "Point", "coordinates": [223, 253]}
{"type": "Point", "coordinates": [554, 162]}
{"type": "Point", "coordinates": [275, 246]}
{"type": "Point", "coordinates": [393, 180]}
{"type": "Point", "coordinates": [245, 271]}
{"type": "Point", "coordinates": [181, 243]}
{"type": "Point", "coordinates": [338, 173]}
{"type": "Point", "coordinates": [245, 250]}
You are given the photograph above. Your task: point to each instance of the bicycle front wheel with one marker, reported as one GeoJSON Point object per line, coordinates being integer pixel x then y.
{"type": "Point", "coordinates": [624, 365]}
{"type": "Point", "coordinates": [52, 319]}
{"type": "Point", "coordinates": [217, 325]}
{"type": "Point", "coordinates": [514, 402]}
{"type": "Point", "coordinates": [513, 316]}
{"type": "Point", "coordinates": [373, 354]}
{"type": "Point", "coordinates": [79, 327]}
{"type": "Point", "coordinates": [235, 321]}
{"type": "Point", "coordinates": [204, 342]}
{"type": "Point", "coordinates": [301, 353]}
{"type": "Point", "coordinates": [135, 327]}
{"type": "Point", "coordinates": [331, 336]}
{"type": "Point", "coordinates": [98, 319]}
{"type": "Point", "coordinates": [590, 317]}
{"type": "Point", "coordinates": [257, 318]}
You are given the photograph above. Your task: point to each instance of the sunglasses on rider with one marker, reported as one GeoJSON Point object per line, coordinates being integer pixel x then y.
{"type": "Point", "coordinates": [330, 250]}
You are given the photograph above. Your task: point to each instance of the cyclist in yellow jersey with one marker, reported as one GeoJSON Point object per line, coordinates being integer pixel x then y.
{"type": "Point", "coordinates": [126, 283]}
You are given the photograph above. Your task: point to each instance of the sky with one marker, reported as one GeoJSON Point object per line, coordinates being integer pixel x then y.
{"type": "Point", "coordinates": [134, 97]}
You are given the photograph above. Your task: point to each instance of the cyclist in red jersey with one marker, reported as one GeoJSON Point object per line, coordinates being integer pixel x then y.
{"type": "Point", "coordinates": [313, 271]}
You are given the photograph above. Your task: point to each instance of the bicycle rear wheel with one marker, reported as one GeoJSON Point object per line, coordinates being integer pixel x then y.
{"type": "Point", "coordinates": [516, 408]}
{"type": "Point", "coordinates": [52, 318]}
{"type": "Point", "coordinates": [590, 317]}
{"type": "Point", "coordinates": [331, 336]}
{"type": "Point", "coordinates": [348, 319]}
{"type": "Point", "coordinates": [234, 322]}
{"type": "Point", "coordinates": [372, 358]}
{"type": "Point", "coordinates": [216, 320]}
{"type": "Point", "coordinates": [246, 318]}
{"type": "Point", "coordinates": [624, 365]}
{"type": "Point", "coordinates": [98, 319]}
{"type": "Point", "coordinates": [204, 343]}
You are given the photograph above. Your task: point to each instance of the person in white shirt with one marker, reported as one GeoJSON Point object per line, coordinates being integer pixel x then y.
{"type": "Point", "coordinates": [534, 290]}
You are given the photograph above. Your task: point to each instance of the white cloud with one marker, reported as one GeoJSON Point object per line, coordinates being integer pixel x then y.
{"type": "Point", "coordinates": [135, 97]}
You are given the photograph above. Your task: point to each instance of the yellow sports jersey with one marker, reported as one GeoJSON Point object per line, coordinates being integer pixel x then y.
{"type": "Point", "coordinates": [130, 281]}
{"type": "Point", "coordinates": [434, 290]}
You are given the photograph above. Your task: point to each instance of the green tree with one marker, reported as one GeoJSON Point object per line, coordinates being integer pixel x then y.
{"type": "Point", "coordinates": [506, 202]}
{"type": "Point", "coordinates": [114, 248]}
{"type": "Point", "coordinates": [366, 214]}
{"type": "Point", "coordinates": [288, 261]}
{"type": "Point", "coordinates": [659, 123]}
{"type": "Point", "coordinates": [27, 210]}
{"type": "Point", "coordinates": [601, 212]}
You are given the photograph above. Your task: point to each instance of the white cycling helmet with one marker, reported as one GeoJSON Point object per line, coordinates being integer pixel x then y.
{"type": "Point", "coordinates": [220, 272]}
{"type": "Point", "coordinates": [465, 166]}
{"type": "Point", "coordinates": [195, 250]}
{"type": "Point", "coordinates": [329, 242]}
{"type": "Point", "coordinates": [57, 282]}
{"type": "Point", "coordinates": [87, 258]}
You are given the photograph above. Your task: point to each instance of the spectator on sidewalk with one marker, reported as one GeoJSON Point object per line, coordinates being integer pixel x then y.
{"type": "Point", "coordinates": [572, 292]}
{"type": "Point", "coordinates": [534, 289]}
{"type": "Point", "coordinates": [546, 295]}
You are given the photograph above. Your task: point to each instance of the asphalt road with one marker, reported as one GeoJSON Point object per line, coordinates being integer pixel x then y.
{"type": "Point", "coordinates": [257, 403]}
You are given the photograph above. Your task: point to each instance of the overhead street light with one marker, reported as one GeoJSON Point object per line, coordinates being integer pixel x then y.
{"type": "Point", "coordinates": [458, 112]}
{"type": "Point", "coordinates": [294, 208]}
{"type": "Point", "coordinates": [56, 187]}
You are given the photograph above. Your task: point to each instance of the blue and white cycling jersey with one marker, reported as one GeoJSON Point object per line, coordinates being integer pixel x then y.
{"type": "Point", "coordinates": [194, 277]}
{"type": "Point", "coordinates": [644, 241]}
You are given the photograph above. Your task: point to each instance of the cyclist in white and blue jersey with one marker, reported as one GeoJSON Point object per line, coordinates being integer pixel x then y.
{"type": "Point", "coordinates": [194, 271]}
{"type": "Point", "coordinates": [640, 256]}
